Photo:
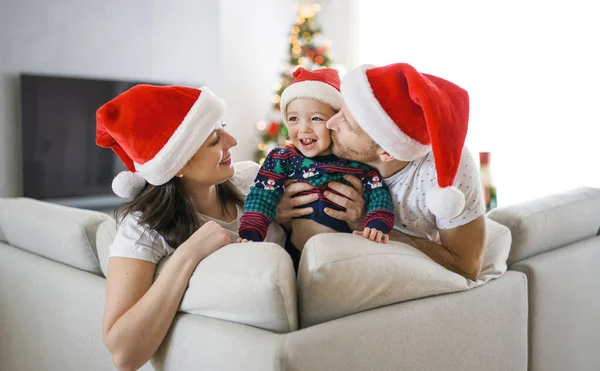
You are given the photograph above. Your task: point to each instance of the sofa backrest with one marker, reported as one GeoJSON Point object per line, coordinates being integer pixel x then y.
{"type": "Point", "coordinates": [63, 234]}
{"type": "Point", "coordinates": [551, 222]}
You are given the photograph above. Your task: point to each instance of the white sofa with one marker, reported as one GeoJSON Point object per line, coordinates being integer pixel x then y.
{"type": "Point", "coordinates": [356, 305]}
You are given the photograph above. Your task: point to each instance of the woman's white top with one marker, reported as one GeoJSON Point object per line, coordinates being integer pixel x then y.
{"type": "Point", "coordinates": [137, 241]}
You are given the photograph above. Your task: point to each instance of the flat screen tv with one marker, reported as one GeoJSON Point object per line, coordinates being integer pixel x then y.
{"type": "Point", "coordinates": [60, 158]}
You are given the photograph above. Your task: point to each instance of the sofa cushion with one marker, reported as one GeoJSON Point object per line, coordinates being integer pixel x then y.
{"type": "Point", "coordinates": [63, 234]}
{"type": "Point", "coordinates": [252, 284]}
{"type": "Point", "coordinates": [551, 222]}
{"type": "Point", "coordinates": [342, 274]}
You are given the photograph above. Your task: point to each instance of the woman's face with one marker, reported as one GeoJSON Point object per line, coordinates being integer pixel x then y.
{"type": "Point", "coordinates": [212, 163]}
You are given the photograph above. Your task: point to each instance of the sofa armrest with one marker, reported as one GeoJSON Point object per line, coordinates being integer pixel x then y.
{"type": "Point", "coordinates": [564, 326]}
{"type": "Point", "coordinates": [551, 222]}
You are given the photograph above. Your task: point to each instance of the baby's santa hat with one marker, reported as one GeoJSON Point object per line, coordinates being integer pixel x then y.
{"type": "Point", "coordinates": [155, 131]}
{"type": "Point", "coordinates": [410, 114]}
{"type": "Point", "coordinates": [322, 84]}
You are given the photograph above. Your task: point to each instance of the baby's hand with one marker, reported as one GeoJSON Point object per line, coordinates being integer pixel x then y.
{"type": "Point", "coordinates": [242, 240]}
{"type": "Point", "coordinates": [373, 235]}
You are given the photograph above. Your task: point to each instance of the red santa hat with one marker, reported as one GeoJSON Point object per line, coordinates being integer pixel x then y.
{"type": "Point", "coordinates": [322, 84]}
{"type": "Point", "coordinates": [155, 131]}
{"type": "Point", "coordinates": [410, 114]}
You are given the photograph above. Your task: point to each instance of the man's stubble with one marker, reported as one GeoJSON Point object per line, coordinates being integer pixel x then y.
{"type": "Point", "coordinates": [366, 155]}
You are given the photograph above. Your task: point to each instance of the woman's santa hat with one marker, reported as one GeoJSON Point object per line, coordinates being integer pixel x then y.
{"type": "Point", "coordinates": [155, 131]}
{"type": "Point", "coordinates": [410, 114]}
{"type": "Point", "coordinates": [322, 84]}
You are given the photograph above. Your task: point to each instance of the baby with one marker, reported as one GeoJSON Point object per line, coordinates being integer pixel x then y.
{"type": "Point", "coordinates": [311, 99]}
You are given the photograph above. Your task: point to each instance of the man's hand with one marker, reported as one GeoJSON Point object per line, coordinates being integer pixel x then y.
{"type": "Point", "coordinates": [461, 250]}
{"type": "Point", "coordinates": [350, 198]}
{"type": "Point", "coordinates": [285, 208]}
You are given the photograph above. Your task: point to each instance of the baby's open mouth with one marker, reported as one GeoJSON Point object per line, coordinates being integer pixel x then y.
{"type": "Point", "coordinates": [307, 142]}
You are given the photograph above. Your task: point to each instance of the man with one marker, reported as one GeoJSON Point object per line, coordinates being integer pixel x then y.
{"type": "Point", "coordinates": [411, 127]}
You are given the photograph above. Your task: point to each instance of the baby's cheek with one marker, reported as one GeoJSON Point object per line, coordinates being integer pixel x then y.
{"type": "Point", "coordinates": [326, 136]}
{"type": "Point", "coordinates": [292, 133]}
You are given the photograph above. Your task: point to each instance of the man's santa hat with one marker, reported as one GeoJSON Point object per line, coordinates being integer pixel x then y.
{"type": "Point", "coordinates": [410, 114]}
{"type": "Point", "coordinates": [322, 84]}
{"type": "Point", "coordinates": [155, 131]}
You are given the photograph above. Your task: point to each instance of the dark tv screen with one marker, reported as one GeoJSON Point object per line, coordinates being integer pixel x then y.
{"type": "Point", "coordinates": [60, 157]}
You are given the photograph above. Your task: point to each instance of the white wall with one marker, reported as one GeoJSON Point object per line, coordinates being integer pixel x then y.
{"type": "Point", "coordinates": [254, 45]}
{"type": "Point", "coordinates": [531, 68]}
{"type": "Point", "coordinates": [134, 39]}
{"type": "Point", "coordinates": [339, 20]}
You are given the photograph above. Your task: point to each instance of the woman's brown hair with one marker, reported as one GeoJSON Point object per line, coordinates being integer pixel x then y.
{"type": "Point", "coordinates": [169, 209]}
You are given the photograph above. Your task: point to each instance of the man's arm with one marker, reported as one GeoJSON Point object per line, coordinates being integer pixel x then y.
{"type": "Point", "coordinates": [461, 250]}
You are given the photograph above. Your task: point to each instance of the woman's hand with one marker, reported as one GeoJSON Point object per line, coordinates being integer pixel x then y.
{"type": "Point", "coordinates": [207, 239]}
{"type": "Point", "coordinates": [285, 207]}
{"type": "Point", "coordinates": [349, 198]}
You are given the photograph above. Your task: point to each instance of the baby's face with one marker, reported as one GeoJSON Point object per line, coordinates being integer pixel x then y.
{"type": "Point", "coordinates": [306, 126]}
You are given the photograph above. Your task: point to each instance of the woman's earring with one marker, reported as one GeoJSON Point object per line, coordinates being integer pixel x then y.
{"type": "Point", "coordinates": [180, 175]}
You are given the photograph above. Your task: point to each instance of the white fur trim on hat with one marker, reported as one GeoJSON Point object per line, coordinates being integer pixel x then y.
{"type": "Point", "coordinates": [372, 118]}
{"type": "Point", "coordinates": [127, 184]}
{"type": "Point", "coordinates": [445, 203]}
{"type": "Point", "coordinates": [318, 90]}
{"type": "Point", "coordinates": [204, 117]}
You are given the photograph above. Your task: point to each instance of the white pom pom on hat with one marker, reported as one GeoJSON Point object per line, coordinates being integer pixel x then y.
{"type": "Point", "coordinates": [127, 184]}
{"type": "Point", "coordinates": [445, 203]}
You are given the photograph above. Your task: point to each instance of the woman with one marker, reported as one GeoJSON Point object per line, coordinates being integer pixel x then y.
{"type": "Point", "coordinates": [185, 199]}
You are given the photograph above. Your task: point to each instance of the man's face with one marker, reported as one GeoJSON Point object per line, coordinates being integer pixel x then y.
{"type": "Point", "coordinates": [349, 141]}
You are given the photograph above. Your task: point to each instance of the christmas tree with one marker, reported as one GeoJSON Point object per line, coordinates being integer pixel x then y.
{"type": "Point", "coordinates": [278, 168]}
{"type": "Point", "coordinates": [308, 49]}
{"type": "Point", "coordinates": [307, 162]}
